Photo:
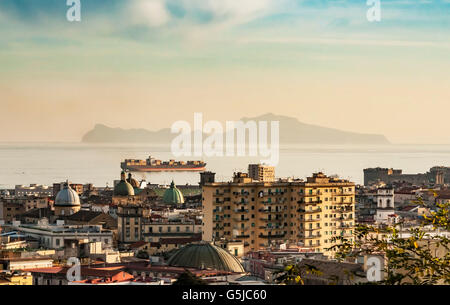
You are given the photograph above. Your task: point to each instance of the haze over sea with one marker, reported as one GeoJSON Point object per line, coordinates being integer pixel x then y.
{"type": "Point", "coordinates": [46, 163]}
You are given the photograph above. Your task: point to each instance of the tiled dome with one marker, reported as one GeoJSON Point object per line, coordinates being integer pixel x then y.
{"type": "Point", "coordinates": [67, 197]}
{"type": "Point", "coordinates": [205, 255]}
{"type": "Point", "coordinates": [123, 188]}
{"type": "Point", "coordinates": [173, 195]}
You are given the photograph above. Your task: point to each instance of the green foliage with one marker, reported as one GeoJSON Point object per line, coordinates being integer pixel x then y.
{"type": "Point", "coordinates": [420, 258]}
{"type": "Point", "coordinates": [142, 254]}
{"type": "Point", "coordinates": [294, 274]}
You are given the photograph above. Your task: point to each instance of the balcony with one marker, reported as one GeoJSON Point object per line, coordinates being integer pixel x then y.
{"type": "Point", "coordinates": [337, 219]}
{"type": "Point", "coordinates": [344, 202]}
{"type": "Point", "coordinates": [269, 236]}
{"type": "Point", "coordinates": [241, 219]}
{"type": "Point", "coordinates": [308, 194]}
{"type": "Point", "coordinates": [344, 209]}
{"type": "Point", "coordinates": [277, 194]}
{"type": "Point", "coordinates": [275, 226]}
{"type": "Point", "coordinates": [245, 193]}
{"type": "Point", "coordinates": [314, 201]}
{"type": "Point", "coordinates": [307, 202]}
{"type": "Point", "coordinates": [303, 211]}
{"type": "Point", "coordinates": [343, 194]}
{"type": "Point", "coordinates": [311, 220]}
{"type": "Point", "coordinates": [243, 236]}
{"type": "Point", "coordinates": [346, 235]}
{"type": "Point", "coordinates": [309, 236]}
{"type": "Point", "coordinates": [312, 229]}
{"type": "Point", "coordinates": [240, 210]}
{"type": "Point", "coordinates": [276, 211]}
{"type": "Point", "coordinates": [268, 202]}
{"type": "Point", "coordinates": [241, 228]}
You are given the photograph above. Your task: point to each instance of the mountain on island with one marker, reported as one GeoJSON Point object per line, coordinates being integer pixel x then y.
{"type": "Point", "coordinates": [291, 132]}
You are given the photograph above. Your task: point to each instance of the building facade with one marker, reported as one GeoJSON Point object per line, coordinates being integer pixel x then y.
{"type": "Point", "coordinates": [33, 190]}
{"type": "Point", "coordinates": [385, 205]}
{"type": "Point", "coordinates": [309, 212]}
{"type": "Point", "coordinates": [129, 223]}
{"type": "Point", "coordinates": [437, 175]}
{"type": "Point", "coordinates": [262, 173]}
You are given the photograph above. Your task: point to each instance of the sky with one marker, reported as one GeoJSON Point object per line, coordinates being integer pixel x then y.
{"type": "Point", "coordinates": [149, 63]}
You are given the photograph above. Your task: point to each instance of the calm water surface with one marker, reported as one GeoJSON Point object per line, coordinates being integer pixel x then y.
{"type": "Point", "coordinates": [45, 163]}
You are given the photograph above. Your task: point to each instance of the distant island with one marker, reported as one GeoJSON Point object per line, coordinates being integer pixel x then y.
{"type": "Point", "coordinates": [291, 132]}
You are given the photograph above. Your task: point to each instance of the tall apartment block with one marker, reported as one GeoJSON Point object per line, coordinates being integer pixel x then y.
{"type": "Point", "coordinates": [262, 173]}
{"type": "Point", "coordinates": [259, 214]}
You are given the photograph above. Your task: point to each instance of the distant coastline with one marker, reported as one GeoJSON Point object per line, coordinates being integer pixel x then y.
{"type": "Point", "coordinates": [292, 131]}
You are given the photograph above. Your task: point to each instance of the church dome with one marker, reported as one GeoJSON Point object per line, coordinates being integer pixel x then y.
{"type": "Point", "coordinates": [173, 195]}
{"type": "Point", "coordinates": [123, 188]}
{"type": "Point", "coordinates": [67, 197]}
{"type": "Point", "coordinates": [203, 256]}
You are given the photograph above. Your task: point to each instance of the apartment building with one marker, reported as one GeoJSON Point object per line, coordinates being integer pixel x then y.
{"type": "Point", "coordinates": [262, 173]}
{"type": "Point", "coordinates": [133, 226]}
{"type": "Point", "coordinates": [11, 209]}
{"type": "Point", "coordinates": [260, 214]}
{"type": "Point", "coordinates": [33, 190]}
{"type": "Point", "coordinates": [153, 230]}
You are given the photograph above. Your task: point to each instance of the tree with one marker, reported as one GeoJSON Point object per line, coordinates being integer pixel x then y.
{"type": "Point", "coordinates": [188, 278]}
{"type": "Point", "coordinates": [294, 274]}
{"type": "Point", "coordinates": [142, 254]}
{"type": "Point", "coordinates": [421, 258]}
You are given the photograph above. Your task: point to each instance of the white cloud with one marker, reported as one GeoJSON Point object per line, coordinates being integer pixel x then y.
{"type": "Point", "coordinates": [150, 12]}
{"type": "Point", "coordinates": [245, 9]}
{"type": "Point", "coordinates": [232, 12]}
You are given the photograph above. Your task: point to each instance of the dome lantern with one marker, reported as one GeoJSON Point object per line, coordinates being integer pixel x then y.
{"type": "Point", "coordinates": [173, 195]}
{"type": "Point", "coordinates": [123, 188]}
{"type": "Point", "coordinates": [67, 196]}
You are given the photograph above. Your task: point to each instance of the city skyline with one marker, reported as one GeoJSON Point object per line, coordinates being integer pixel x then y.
{"type": "Point", "coordinates": [321, 62]}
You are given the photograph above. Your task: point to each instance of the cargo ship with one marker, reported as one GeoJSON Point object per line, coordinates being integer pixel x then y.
{"type": "Point", "coordinates": [153, 165]}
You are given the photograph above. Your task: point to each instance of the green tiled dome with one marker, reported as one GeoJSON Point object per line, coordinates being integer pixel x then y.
{"type": "Point", "coordinates": [123, 188]}
{"type": "Point", "coordinates": [204, 256]}
{"type": "Point", "coordinates": [173, 195]}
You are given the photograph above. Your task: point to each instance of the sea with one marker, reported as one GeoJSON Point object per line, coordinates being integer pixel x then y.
{"type": "Point", "coordinates": [47, 163]}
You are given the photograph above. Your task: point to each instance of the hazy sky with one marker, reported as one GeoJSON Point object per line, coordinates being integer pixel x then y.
{"type": "Point", "coordinates": [147, 63]}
